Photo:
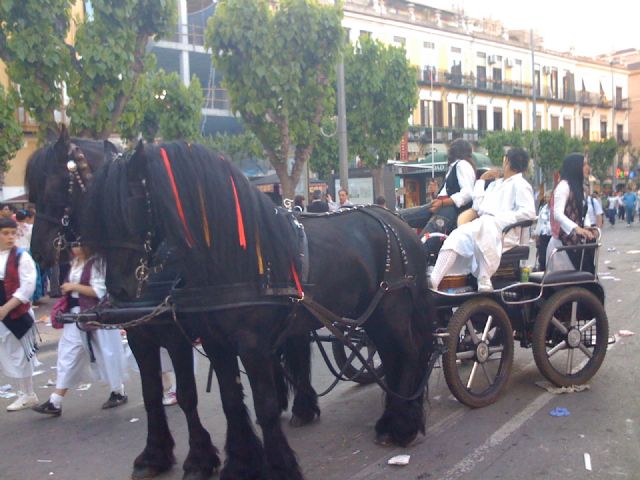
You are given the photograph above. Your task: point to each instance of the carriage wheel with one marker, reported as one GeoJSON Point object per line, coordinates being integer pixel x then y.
{"type": "Point", "coordinates": [479, 353]}
{"type": "Point", "coordinates": [570, 337]}
{"type": "Point", "coordinates": [352, 365]}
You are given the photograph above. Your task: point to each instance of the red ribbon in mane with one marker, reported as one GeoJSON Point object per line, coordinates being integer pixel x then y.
{"type": "Point", "coordinates": [176, 196]}
{"type": "Point", "coordinates": [241, 237]}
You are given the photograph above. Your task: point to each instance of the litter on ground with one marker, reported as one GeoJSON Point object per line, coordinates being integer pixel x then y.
{"type": "Point", "coordinates": [625, 333]}
{"type": "Point", "coordinates": [399, 460]}
{"type": "Point", "coordinates": [559, 390]}
{"type": "Point", "coordinates": [587, 461]}
{"type": "Point", "coordinates": [560, 412]}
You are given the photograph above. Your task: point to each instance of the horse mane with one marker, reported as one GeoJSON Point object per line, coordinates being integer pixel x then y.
{"type": "Point", "coordinates": [199, 216]}
{"type": "Point", "coordinates": [43, 163]}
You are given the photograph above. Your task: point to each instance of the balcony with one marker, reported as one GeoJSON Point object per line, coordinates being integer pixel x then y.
{"type": "Point", "coordinates": [422, 134]}
{"type": "Point", "coordinates": [471, 82]}
{"type": "Point", "coordinates": [216, 98]}
{"type": "Point", "coordinates": [622, 104]}
{"type": "Point", "coordinates": [188, 33]}
{"type": "Point", "coordinates": [622, 138]}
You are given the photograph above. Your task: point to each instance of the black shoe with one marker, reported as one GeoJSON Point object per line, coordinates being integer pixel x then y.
{"type": "Point", "coordinates": [48, 408]}
{"type": "Point", "coordinates": [115, 400]}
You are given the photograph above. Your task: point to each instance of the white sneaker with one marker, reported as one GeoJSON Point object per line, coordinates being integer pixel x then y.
{"type": "Point", "coordinates": [22, 402]}
{"type": "Point", "coordinates": [169, 399]}
{"type": "Point", "coordinates": [485, 285]}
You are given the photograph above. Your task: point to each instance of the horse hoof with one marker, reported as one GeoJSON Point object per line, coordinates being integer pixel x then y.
{"type": "Point", "coordinates": [197, 475]}
{"type": "Point", "coordinates": [145, 473]}
{"type": "Point", "coordinates": [297, 421]}
{"type": "Point", "coordinates": [384, 440]}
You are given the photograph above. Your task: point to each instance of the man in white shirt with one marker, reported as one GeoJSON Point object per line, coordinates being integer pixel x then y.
{"type": "Point", "coordinates": [477, 246]}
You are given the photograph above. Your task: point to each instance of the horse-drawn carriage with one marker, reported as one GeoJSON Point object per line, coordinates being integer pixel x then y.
{"type": "Point", "coordinates": [256, 287]}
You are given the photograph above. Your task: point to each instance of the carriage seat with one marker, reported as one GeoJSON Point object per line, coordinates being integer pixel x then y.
{"type": "Point", "coordinates": [562, 276]}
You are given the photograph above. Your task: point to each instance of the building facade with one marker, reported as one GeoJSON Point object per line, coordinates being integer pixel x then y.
{"type": "Point", "coordinates": [475, 76]}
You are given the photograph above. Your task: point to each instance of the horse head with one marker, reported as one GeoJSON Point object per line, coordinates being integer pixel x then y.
{"type": "Point", "coordinates": [57, 177]}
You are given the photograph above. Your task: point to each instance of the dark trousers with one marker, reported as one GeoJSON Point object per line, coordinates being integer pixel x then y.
{"type": "Point", "coordinates": [541, 251]}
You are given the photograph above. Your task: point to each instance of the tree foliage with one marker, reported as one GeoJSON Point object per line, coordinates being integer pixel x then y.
{"type": "Point", "coordinates": [601, 156]}
{"type": "Point", "coordinates": [497, 142]}
{"type": "Point", "coordinates": [10, 129]}
{"type": "Point", "coordinates": [163, 107]}
{"type": "Point", "coordinates": [100, 69]}
{"type": "Point", "coordinates": [278, 66]}
{"type": "Point", "coordinates": [381, 91]}
{"type": "Point", "coordinates": [236, 147]}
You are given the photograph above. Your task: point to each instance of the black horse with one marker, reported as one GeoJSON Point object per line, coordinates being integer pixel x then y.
{"type": "Point", "coordinates": [58, 176]}
{"type": "Point", "coordinates": [241, 257]}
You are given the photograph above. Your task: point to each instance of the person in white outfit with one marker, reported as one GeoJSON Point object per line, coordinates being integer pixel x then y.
{"type": "Point", "coordinates": [567, 215]}
{"type": "Point", "coordinates": [17, 326]}
{"type": "Point", "coordinates": [78, 350]}
{"type": "Point", "coordinates": [477, 246]}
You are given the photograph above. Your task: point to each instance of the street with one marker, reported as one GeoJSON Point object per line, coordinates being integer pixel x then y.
{"type": "Point", "coordinates": [515, 438]}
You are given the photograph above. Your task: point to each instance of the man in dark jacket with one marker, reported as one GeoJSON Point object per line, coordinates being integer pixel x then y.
{"type": "Point", "coordinates": [317, 205]}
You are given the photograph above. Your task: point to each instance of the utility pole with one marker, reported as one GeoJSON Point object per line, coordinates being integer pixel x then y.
{"type": "Point", "coordinates": [534, 116]}
{"type": "Point", "coordinates": [342, 129]}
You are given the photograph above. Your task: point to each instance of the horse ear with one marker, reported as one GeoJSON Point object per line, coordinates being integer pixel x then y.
{"type": "Point", "coordinates": [110, 150]}
{"type": "Point", "coordinates": [62, 145]}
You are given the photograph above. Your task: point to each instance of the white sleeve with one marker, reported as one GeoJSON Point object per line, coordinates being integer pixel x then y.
{"type": "Point", "coordinates": [479, 192]}
{"type": "Point", "coordinates": [28, 277]}
{"type": "Point", "coordinates": [97, 282]}
{"type": "Point", "coordinates": [524, 207]}
{"type": "Point", "coordinates": [560, 197]}
{"type": "Point", "coordinates": [598, 207]}
{"type": "Point", "coordinates": [466, 179]}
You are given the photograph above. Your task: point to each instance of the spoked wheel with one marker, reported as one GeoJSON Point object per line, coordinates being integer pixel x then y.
{"type": "Point", "coordinates": [353, 369]}
{"type": "Point", "coordinates": [570, 337]}
{"type": "Point", "coordinates": [479, 353]}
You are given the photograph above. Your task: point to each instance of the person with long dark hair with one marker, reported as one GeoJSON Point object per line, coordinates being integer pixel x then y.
{"type": "Point", "coordinates": [567, 214]}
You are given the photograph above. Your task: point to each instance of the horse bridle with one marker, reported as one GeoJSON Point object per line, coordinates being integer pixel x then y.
{"type": "Point", "coordinates": [79, 173]}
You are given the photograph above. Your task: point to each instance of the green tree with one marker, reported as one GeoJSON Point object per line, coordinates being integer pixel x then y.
{"type": "Point", "coordinates": [164, 107]}
{"type": "Point", "coordinates": [278, 66]}
{"type": "Point", "coordinates": [498, 142]}
{"type": "Point", "coordinates": [10, 129]}
{"type": "Point", "coordinates": [552, 148]}
{"type": "Point", "coordinates": [100, 69]}
{"type": "Point", "coordinates": [381, 91]}
{"type": "Point", "coordinates": [236, 147]}
{"type": "Point", "coordinates": [601, 156]}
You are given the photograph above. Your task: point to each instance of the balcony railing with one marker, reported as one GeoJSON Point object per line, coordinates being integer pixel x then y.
{"type": "Point", "coordinates": [216, 98]}
{"type": "Point", "coordinates": [189, 33]}
{"type": "Point", "coordinates": [422, 134]}
{"type": "Point", "coordinates": [512, 88]}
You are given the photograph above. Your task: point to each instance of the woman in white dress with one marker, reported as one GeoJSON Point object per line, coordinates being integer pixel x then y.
{"type": "Point", "coordinates": [101, 351]}
{"type": "Point", "coordinates": [567, 215]}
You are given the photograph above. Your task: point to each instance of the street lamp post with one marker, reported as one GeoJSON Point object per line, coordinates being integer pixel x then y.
{"type": "Point", "coordinates": [613, 115]}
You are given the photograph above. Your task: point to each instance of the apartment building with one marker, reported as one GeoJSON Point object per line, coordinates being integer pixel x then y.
{"type": "Point", "coordinates": [476, 76]}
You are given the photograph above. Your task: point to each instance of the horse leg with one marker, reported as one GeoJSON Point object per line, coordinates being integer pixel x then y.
{"type": "Point", "coordinates": [405, 366]}
{"type": "Point", "coordinates": [297, 356]}
{"type": "Point", "coordinates": [202, 459]}
{"type": "Point", "coordinates": [280, 458]}
{"type": "Point", "coordinates": [244, 453]}
{"type": "Point", "coordinates": [157, 456]}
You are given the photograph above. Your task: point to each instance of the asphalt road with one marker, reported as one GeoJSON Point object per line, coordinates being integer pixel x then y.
{"type": "Point", "coordinates": [515, 438]}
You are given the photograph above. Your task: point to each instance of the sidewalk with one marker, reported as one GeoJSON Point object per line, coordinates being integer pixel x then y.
{"type": "Point", "coordinates": [49, 336]}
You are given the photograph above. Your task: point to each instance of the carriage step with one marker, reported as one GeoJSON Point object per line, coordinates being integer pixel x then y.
{"type": "Point", "coordinates": [441, 333]}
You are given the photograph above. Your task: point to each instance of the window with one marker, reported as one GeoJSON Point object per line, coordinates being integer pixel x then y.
{"type": "Point", "coordinates": [536, 78]}
{"type": "Point", "coordinates": [567, 126]}
{"type": "Point", "coordinates": [517, 120]}
{"type": "Point", "coordinates": [425, 115]}
{"type": "Point", "coordinates": [429, 73]}
{"type": "Point", "coordinates": [437, 114]}
{"type": "Point", "coordinates": [568, 87]}
{"type": "Point", "coordinates": [554, 83]}
{"type": "Point", "coordinates": [603, 129]}
{"type": "Point", "coordinates": [456, 73]}
{"type": "Point", "coordinates": [497, 118]}
{"type": "Point", "coordinates": [456, 115]}
{"type": "Point", "coordinates": [497, 79]}
{"type": "Point", "coordinates": [586, 128]}
{"type": "Point", "coordinates": [481, 73]}
{"type": "Point", "coordinates": [429, 45]}
{"type": "Point", "coordinates": [620, 133]}
{"type": "Point", "coordinates": [618, 99]}
{"type": "Point", "coordinates": [399, 40]}
{"type": "Point", "coordinates": [482, 118]}
{"type": "Point", "coordinates": [482, 55]}
{"type": "Point", "coordinates": [538, 122]}
{"type": "Point", "coordinates": [499, 58]}
{"type": "Point", "coordinates": [518, 62]}
{"type": "Point", "coordinates": [365, 34]}
{"type": "Point", "coordinates": [456, 50]}
{"type": "Point", "coordinates": [555, 122]}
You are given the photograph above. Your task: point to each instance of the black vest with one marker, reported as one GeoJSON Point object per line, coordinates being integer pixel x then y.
{"type": "Point", "coordinates": [453, 186]}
